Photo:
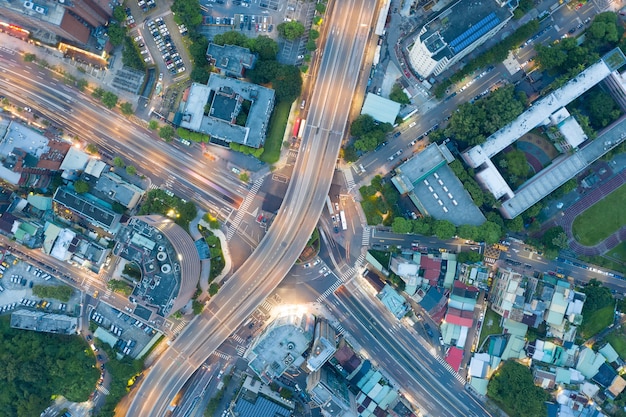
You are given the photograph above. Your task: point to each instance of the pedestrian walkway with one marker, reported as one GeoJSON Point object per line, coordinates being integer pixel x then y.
{"type": "Point", "coordinates": [340, 330]}
{"type": "Point", "coordinates": [266, 305]}
{"type": "Point", "coordinates": [241, 350]}
{"type": "Point", "coordinates": [221, 355]}
{"type": "Point", "coordinates": [347, 172]}
{"type": "Point", "coordinates": [329, 291]}
{"type": "Point", "coordinates": [179, 327]}
{"type": "Point", "coordinates": [238, 339]}
{"type": "Point", "coordinates": [365, 241]}
{"type": "Point", "coordinates": [242, 209]}
{"type": "Point", "coordinates": [103, 390]}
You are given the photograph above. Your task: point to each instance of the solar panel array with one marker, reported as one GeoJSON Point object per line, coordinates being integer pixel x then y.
{"type": "Point", "coordinates": [475, 32]}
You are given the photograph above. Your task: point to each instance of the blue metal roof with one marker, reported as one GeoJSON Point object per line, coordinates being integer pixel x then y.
{"type": "Point", "coordinates": [261, 407]}
{"type": "Point", "coordinates": [475, 32]}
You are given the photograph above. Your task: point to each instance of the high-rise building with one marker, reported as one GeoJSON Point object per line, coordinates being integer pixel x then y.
{"type": "Point", "coordinates": [455, 32]}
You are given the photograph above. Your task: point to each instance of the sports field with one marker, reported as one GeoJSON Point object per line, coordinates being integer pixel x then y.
{"type": "Point", "coordinates": [602, 219]}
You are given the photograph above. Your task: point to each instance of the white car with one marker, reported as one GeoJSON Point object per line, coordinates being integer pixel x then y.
{"type": "Point", "coordinates": [161, 76]}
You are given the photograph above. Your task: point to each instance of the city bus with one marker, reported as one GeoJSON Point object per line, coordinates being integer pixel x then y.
{"type": "Point", "coordinates": [344, 224]}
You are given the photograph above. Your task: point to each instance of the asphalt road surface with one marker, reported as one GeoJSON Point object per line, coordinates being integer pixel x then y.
{"type": "Point", "coordinates": [258, 277]}
{"type": "Point", "coordinates": [189, 176]}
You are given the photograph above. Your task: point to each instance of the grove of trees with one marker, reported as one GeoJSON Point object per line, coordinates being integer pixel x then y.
{"type": "Point", "coordinates": [368, 133]}
{"type": "Point", "coordinates": [512, 387]}
{"type": "Point", "coordinates": [398, 95]}
{"type": "Point", "coordinates": [35, 366]}
{"type": "Point", "coordinates": [488, 232]}
{"type": "Point", "coordinates": [472, 123]}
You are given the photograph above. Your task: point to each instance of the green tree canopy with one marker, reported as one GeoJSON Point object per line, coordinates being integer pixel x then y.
{"type": "Point", "coordinates": [513, 388]}
{"type": "Point", "coordinates": [401, 225]}
{"type": "Point", "coordinates": [398, 95]}
{"type": "Point", "coordinates": [444, 229]}
{"type": "Point", "coordinates": [81, 186]}
{"type": "Point", "coordinates": [118, 162]}
{"type": "Point", "coordinates": [109, 99]}
{"type": "Point", "coordinates": [126, 108]}
{"type": "Point", "coordinates": [166, 132]}
{"type": "Point", "coordinates": [35, 366]}
{"type": "Point", "coordinates": [290, 30]}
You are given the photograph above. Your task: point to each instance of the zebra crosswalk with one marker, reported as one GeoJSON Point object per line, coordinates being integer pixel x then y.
{"type": "Point", "coordinates": [238, 339]}
{"type": "Point", "coordinates": [365, 241]}
{"type": "Point", "coordinates": [221, 355]}
{"type": "Point", "coordinates": [349, 273]}
{"type": "Point", "coordinates": [347, 172]}
{"type": "Point", "coordinates": [340, 330]}
{"type": "Point", "coordinates": [103, 390]}
{"type": "Point", "coordinates": [242, 209]}
{"type": "Point", "coordinates": [153, 187]}
{"type": "Point", "coordinates": [266, 305]}
{"type": "Point", "coordinates": [452, 371]}
{"type": "Point", "coordinates": [179, 327]}
{"type": "Point", "coordinates": [329, 291]}
{"type": "Point", "coordinates": [241, 350]}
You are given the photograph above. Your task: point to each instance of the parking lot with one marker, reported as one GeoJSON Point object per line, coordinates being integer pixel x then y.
{"type": "Point", "coordinates": [128, 335]}
{"type": "Point", "coordinates": [163, 40]}
{"type": "Point", "coordinates": [17, 281]}
{"type": "Point", "coordinates": [260, 18]}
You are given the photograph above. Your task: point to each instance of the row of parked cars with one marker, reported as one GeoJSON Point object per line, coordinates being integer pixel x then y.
{"type": "Point", "coordinates": [163, 40]}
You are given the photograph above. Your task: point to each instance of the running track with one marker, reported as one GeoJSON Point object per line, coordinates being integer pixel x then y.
{"type": "Point", "coordinates": [583, 204]}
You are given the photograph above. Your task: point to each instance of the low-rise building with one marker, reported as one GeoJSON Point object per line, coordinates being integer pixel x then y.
{"type": "Point", "coordinates": [40, 321]}
{"type": "Point", "coordinates": [85, 210]}
{"type": "Point", "coordinates": [230, 60]}
{"type": "Point", "coordinates": [228, 110]}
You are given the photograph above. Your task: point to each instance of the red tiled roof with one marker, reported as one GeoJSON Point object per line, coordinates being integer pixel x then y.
{"type": "Point", "coordinates": [454, 358]}
{"type": "Point", "coordinates": [431, 267]}
{"type": "Point", "coordinates": [460, 317]}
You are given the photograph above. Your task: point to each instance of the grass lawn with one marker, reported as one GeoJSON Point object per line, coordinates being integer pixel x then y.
{"type": "Point", "coordinates": [602, 219]}
{"type": "Point", "coordinates": [617, 339]}
{"type": "Point", "coordinates": [619, 252]}
{"type": "Point", "coordinates": [596, 322]}
{"type": "Point", "coordinates": [276, 133]}
{"type": "Point", "coordinates": [491, 325]}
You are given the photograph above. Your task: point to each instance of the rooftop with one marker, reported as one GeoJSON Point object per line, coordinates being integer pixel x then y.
{"type": "Point", "coordinates": [225, 97]}
{"type": "Point", "coordinates": [168, 259]}
{"type": "Point", "coordinates": [92, 211]}
{"type": "Point", "coordinates": [281, 345]}
{"type": "Point", "coordinates": [43, 322]}
{"type": "Point", "coordinates": [380, 108]}
{"type": "Point", "coordinates": [230, 59]}
{"type": "Point", "coordinates": [538, 114]}
{"type": "Point", "coordinates": [461, 24]}
{"type": "Point", "coordinates": [117, 189]}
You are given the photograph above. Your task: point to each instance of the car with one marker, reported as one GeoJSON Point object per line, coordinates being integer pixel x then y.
{"type": "Point", "coordinates": [307, 265]}
{"type": "Point", "coordinates": [147, 59]}
{"type": "Point", "coordinates": [181, 69]}
{"type": "Point", "coordinates": [161, 76]}
{"type": "Point", "coordinates": [413, 142]}
{"type": "Point", "coordinates": [270, 28]}
{"type": "Point", "coordinates": [395, 135]}
{"type": "Point", "coordinates": [235, 170]}
{"type": "Point", "coordinates": [399, 152]}
{"type": "Point", "coordinates": [572, 30]}
{"type": "Point", "coordinates": [138, 38]}
{"type": "Point", "coordinates": [99, 357]}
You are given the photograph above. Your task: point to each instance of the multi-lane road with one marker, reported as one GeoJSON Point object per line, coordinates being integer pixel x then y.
{"type": "Point", "coordinates": [348, 29]}
{"type": "Point", "coordinates": [190, 176]}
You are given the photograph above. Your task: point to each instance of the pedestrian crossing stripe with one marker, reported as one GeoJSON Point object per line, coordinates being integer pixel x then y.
{"type": "Point", "coordinates": [221, 355]}
{"type": "Point", "coordinates": [241, 350]}
{"type": "Point", "coordinates": [329, 291]}
{"type": "Point", "coordinates": [454, 373]}
{"type": "Point", "coordinates": [266, 305]}
{"type": "Point", "coordinates": [243, 208]}
{"type": "Point", "coordinates": [238, 338]}
{"type": "Point", "coordinates": [365, 241]}
{"type": "Point", "coordinates": [179, 327]}
{"type": "Point", "coordinates": [103, 390]}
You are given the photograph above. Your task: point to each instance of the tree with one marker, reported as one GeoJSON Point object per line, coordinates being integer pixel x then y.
{"type": "Point", "coordinates": [401, 225]}
{"type": "Point", "coordinates": [512, 387]}
{"type": "Point", "coordinates": [197, 307]}
{"type": "Point", "coordinates": [598, 297]}
{"type": "Point", "coordinates": [119, 14]}
{"type": "Point", "coordinates": [444, 229]}
{"type": "Point", "coordinates": [81, 84]}
{"type": "Point", "coordinates": [265, 47]}
{"type": "Point", "coordinates": [120, 286]}
{"type": "Point", "coordinates": [290, 30]}
{"type": "Point", "coordinates": [109, 99]}
{"type": "Point", "coordinates": [91, 148]}
{"type": "Point", "coordinates": [126, 108]}
{"type": "Point", "coordinates": [213, 289]}
{"type": "Point", "coordinates": [398, 95]}
{"type": "Point", "coordinates": [287, 83]}
{"type": "Point", "coordinates": [561, 241]}
{"type": "Point", "coordinates": [116, 34]}
{"type": "Point", "coordinates": [469, 257]}
{"type": "Point", "coordinates": [118, 162]}
{"type": "Point", "coordinates": [118, 207]}
{"type": "Point", "coordinates": [97, 93]}
{"type": "Point", "coordinates": [81, 186]}
{"type": "Point", "coordinates": [131, 170]}
{"type": "Point", "coordinates": [320, 8]}
{"type": "Point", "coordinates": [153, 125]}
{"type": "Point", "coordinates": [314, 34]}
{"type": "Point", "coordinates": [166, 133]}
{"type": "Point", "coordinates": [601, 107]}
{"type": "Point", "coordinates": [362, 124]}
{"type": "Point", "coordinates": [349, 153]}
{"type": "Point", "coordinates": [489, 232]}
{"type": "Point", "coordinates": [311, 45]}
{"type": "Point", "coordinates": [29, 57]}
